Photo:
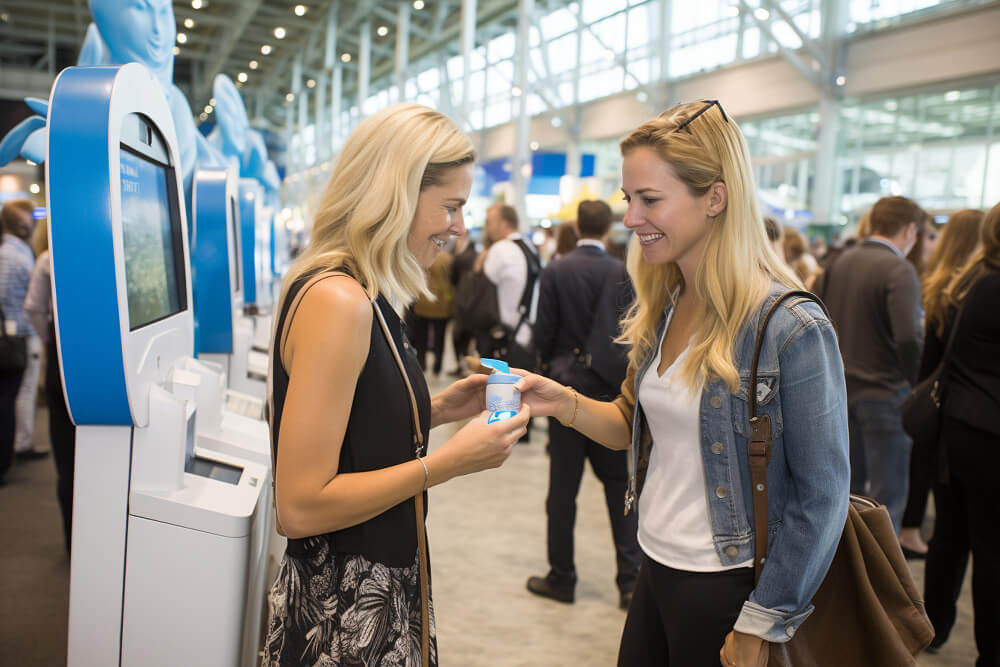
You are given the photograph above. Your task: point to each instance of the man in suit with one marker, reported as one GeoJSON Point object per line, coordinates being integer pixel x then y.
{"type": "Point", "coordinates": [873, 294]}
{"type": "Point", "coordinates": [582, 297]}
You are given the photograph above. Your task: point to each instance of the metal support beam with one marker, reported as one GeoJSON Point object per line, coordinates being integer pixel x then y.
{"type": "Point", "coordinates": [521, 161]}
{"type": "Point", "coordinates": [364, 65]}
{"type": "Point", "coordinates": [330, 50]}
{"type": "Point", "coordinates": [402, 49]}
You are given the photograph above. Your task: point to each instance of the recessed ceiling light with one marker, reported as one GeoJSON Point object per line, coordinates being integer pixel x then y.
{"type": "Point", "coordinates": [418, 4]}
{"type": "Point", "coordinates": [345, 57]}
{"type": "Point", "coordinates": [265, 49]}
{"type": "Point", "coordinates": [732, 10]}
{"type": "Point", "coordinates": [188, 23]}
{"type": "Point", "coordinates": [515, 91]}
{"type": "Point", "coordinates": [762, 14]}
{"type": "Point", "coordinates": [208, 108]}
{"type": "Point", "coordinates": [382, 31]}
{"type": "Point", "coordinates": [311, 83]}
{"type": "Point", "coordinates": [300, 10]}
{"type": "Point", "coordinates": [197, 4]}
{"type": "Point", "coordinates": [182, 38]}
{"type": "Point", "coordinates": [952, 95]}
{"type": "Point", "coordinates": [841, 80]}
{"type": "Point", "coordinates": [177, 50]}
{"type": "Point", "coordinates": [211, 102]}
{"type": "Point", "coordinates": [279, 32]}
{"type": "Point", "coordinates": [289, 97]}
{"type": "Point", "coordinates": [242, 77]}
{"type": "Point", "coordinates": [35, 189]}
{"type": "Point", "coordinates": [254, 64]}
{"type": "Point", "coordinates": [534, 145]}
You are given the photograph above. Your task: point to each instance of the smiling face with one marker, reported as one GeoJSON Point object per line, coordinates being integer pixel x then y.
{"type": "Point", "coordinates": [672, 223]}
{"type": "Point", "coordinates": [439, 214]}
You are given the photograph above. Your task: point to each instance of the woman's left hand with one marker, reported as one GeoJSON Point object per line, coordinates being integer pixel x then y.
{"type": "Point", "coordinates": [462, 400]}
{"type": "Point", "coordinates": [743, 650]}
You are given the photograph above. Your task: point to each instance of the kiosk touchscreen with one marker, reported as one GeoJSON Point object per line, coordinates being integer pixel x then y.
{"type": "Point", "coordinates": [163, 528]}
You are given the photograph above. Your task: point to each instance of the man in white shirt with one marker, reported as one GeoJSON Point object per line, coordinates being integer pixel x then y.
{"type": "Point", "coordinates": [507, 267]}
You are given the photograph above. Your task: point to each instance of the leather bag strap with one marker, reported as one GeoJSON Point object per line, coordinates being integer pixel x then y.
{"type": "Point", "coordinates": [761, 442]}
{"type": "Point", "coordinates": [418, 441]}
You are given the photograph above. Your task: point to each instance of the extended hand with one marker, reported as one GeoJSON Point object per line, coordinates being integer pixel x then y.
{"type": "Point", "coordinates": [463, 399]}
{"type": "Point", "coordinates": [743, 650]}
{"type": "Point", "coordinates": [546, 397]}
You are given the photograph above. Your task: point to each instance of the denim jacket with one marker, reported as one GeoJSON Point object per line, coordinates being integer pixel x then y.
{"type": "Point", "coordinates": [800, 385]}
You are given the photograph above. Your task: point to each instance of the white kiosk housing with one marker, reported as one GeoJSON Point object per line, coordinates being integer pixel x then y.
{"type": "Point", "coordinates": [162, 529]}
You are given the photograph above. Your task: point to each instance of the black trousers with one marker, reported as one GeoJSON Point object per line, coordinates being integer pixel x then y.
{"type": "Point", "coordinates": [461, 338]}
{"type": "Point", "coordinates": [568, 450]}
{"type": "Point", "coordinates": [680, 618]}
{"type": "Point", "coordinates": [970, 522]}
{"type": "Point", "coordinates": [62, 433]}
{"type": "Point", "coordinates": [10, 382]}
{"type": "Point", "coordinates": [428, 334]}
{"type": "Point", "coordinates": [924, 468]}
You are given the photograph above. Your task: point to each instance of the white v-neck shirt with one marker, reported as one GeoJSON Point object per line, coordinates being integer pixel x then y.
{"type": "Point", "coordinates": [674, 524]}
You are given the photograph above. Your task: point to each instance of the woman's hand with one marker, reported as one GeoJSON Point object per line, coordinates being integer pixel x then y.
{"type": "Point", "coordinates": [743, 650]}
{"type": "Point", "coordinates": [463, 399]}
{"type": "Point", "coordinates": [546, 397]}
{"type": "Point", "coordinates": [478, 446]}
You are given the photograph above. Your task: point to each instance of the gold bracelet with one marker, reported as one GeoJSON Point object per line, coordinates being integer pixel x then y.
{"type": "Point", "coordinates": [576, 409]}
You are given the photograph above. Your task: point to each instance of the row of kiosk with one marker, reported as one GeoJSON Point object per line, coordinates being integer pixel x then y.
{"type": "Point", "coordinates": [164, 363]}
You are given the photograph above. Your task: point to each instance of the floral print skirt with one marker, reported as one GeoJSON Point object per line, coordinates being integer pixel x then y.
{"type": "Point", "coordinates": [333, 609]}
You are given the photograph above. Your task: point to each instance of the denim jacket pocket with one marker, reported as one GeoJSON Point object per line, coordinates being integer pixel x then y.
{"type": "Point", "coordinates": [767, 403]}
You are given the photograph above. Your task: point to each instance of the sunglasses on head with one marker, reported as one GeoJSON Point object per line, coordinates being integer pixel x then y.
{"type": "Point", "coordinates": [708, 105]}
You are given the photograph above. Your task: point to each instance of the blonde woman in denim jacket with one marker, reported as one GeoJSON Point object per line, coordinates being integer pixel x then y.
{"type": "Point", "coordinates": [705, 274]}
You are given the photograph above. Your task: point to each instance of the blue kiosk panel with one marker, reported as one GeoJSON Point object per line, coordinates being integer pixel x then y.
{"type": "Point", "coordinates": [215, 260]}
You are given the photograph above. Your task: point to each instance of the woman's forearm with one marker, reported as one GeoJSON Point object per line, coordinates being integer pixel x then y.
{"type": "Point", "coordinates": [600, 421]}
{"type": "Point", "coordinates": [353, 498]}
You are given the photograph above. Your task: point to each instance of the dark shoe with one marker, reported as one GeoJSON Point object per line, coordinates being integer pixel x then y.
{"type": "Point", "coordinates": [30, 455]}
{"type": "Point", "coordinates": [910, 554]}
{"type": "Point", "coordinates": [625, 601]}
{"type": "Point", "coordinates": [544, 587]}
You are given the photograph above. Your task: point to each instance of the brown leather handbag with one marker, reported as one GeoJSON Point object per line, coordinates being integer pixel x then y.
{"type": "Point", "coordinates": [868, 612]}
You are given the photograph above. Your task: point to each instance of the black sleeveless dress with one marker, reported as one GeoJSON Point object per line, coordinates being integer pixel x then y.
{"type": "Point", "coordinates": [352, 597]}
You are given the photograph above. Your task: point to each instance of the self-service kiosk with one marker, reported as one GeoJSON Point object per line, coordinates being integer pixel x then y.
{"type": "Point", "coordinates": [163, 528]}
{"type": "Point", "coordinates": [255, 241]}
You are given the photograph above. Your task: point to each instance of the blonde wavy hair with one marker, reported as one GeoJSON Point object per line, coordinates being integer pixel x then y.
{"type": "Point", "coordinates": [364, 214]}
{"type": "Point", "coordinates": [958, 241]}
{"type": "Point", "coordinates": [987, 256]}
{"type": "Point", "coordinates": [738, 264]}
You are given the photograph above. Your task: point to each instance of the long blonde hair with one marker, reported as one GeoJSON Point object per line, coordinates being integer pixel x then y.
{"type": "Point", "coordinates": [987, 254]}
{"type": "Point", "coordinates": [958, 241]}
{"type": "Point", "coordinates": [738, 264]}
{"type": "Point", "coordinates": [364, 214]}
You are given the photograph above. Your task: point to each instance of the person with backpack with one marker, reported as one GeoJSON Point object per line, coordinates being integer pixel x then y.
{"type": "Point", "coordinates": [705, 277]}
{"type": "Point", "coordinates": [585, 289]}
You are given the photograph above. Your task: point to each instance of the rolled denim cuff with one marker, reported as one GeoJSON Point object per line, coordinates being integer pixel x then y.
{"type": "Point", "coordinates": [774, 626]}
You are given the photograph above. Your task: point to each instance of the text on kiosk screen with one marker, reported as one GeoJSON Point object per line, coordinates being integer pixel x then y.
{"type": "Point", "coordinates": [148, 239]}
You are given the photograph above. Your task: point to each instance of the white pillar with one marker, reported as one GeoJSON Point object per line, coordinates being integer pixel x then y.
{"type": "Point", "coordinates": [521, 160]}
{"type": "Point", "coordinates": [468, 45]}
{"type": "Point", "coordinates": [336, 97]}
{"type": "Point", "coordinates": [402, 49]}
{"type": "Point", "coordinates": [364, 64]}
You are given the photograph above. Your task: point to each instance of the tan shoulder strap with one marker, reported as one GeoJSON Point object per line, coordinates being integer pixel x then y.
{"type": "Point", "coordinates": [418, 441]}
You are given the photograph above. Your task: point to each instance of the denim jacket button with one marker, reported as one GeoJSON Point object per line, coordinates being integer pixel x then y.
{"type": "Point", "coordinates": [716, 402]}
{"type": "Point", "coordinates": [732, 551]}
{"type": "Point", "coordinates": [716, 447]}
{"type": "Point", "coordinates": [721, 491]}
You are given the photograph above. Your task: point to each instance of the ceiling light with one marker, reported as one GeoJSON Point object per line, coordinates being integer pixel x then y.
{"type": "Point", "coordinates": [841, 80]}
{"type": "Point", "coordinates": [289, 97]}
{"type": "Point", "coordinates": [279, 32]}
{"type": "Point", "coordinates": [952, 95]}
{"type": "Point", "coordinates": [188, 23]}
{"type": "Point", "coordinates": [35, 189]}
{"type": "Point", "coordinates": [182, 38]}
{"type": "Point", "coordinates": [311, 83]}
{"type": "Point", "coordinates": [515, 91]}
{"type": "Point", "coordinates": [892, 105]}
{"type": "Point", "coordinates": [345, 57]}
{"type": "Point", "coordinates": [382, 31]}
{"type": "Point", "coordinates": [197, 4]}
{"type": "Point", "coordinates": [300, 10]}
{"type": "Point", "coordinates": [418, 4]}
{"type": "Point", "coordinates": [177, 50]}
{"type": "Point", "coordinates": [208, 108]}
{"type": "Point", "coordinates": [254, 64]}
{"type": "Point", "coordinates": [203, 116]}
{"type": "Point", "coordinates": [534, 145]}
{"type": "Point", "coordinates": [761, 14]}
{"type": "Point", "coordinates": [732, 10]}
{"type": "Point", "coordinates": [242, 77]}
{"type": "Point", "coordinates": [212, 102]}
{"type": "Point", "coordinates": [265, 49]}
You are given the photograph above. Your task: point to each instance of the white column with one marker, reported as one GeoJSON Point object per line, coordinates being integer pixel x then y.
{"type": "Point", "coordinates": [364, 64]}
{"type": "Point", "coordinates": [336, 95]}
{"type": "Point", "coordinates": [322, 126]}
{"type": "Point", "coordinates": [468, 45]}
{"type": "Point", "coordinates": [521, 160]}
{"type": "Point", "coordinates": [402, 49]}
